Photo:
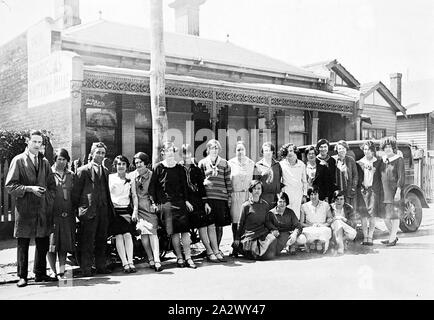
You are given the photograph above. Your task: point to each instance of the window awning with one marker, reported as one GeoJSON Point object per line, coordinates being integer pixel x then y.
{"type": "Point", "coordinates": [366, 118]}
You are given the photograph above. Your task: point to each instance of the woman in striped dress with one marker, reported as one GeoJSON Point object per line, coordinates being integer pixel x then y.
{"type": "Point", "coordinates": [218, 187]}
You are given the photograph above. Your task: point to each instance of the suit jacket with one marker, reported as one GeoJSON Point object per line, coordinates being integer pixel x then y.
{"type": "Point", "coordinates": [84, 192]}
{"type": "Point", "coordinates": [33, 214]}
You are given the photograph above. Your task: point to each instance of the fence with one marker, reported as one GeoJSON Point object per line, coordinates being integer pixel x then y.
{"type": "Point", "coordinates": [7, 206]}
{"type": "Point", "coordinates": [427, 175]}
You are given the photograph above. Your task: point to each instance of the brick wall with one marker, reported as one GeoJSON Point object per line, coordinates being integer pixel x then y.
{"type": "Point", "coordinates": [14, 113]}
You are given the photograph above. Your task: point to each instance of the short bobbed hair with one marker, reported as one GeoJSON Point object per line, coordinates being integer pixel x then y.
{"type": "Point", "coordinates": [321, 142]}
{"type": "Point", "coordinates": [143, 157]}
{"type": "Point", "coordinates": [268, 144]}
{"type": "Point", "coordinates": [282, 195]}
{"type": "Point", "coordinates": [212, 143]}
{"type": "Point", "coordinates": [61, 152]}
{"type": "Point", "coordinates": [370, 144]}
{"type": "Point", "coordinates": [167, 145]}
{"type": "Point", "coordinates": [253, 184]}
{"type": "Point", "coordinates": [283, 152]}
{"type": "Point", "coordinates": [391, 141]}
{"type": "Point", "coordinates": [119, 159]}
{"type": "Point", "coordinates": [312, 190]}
{"type": "Point", "coordinates": [338, 193]}
{"type": "Point", "coordinates": [342, 143]}
{"type": "Point", "coordinates": [309, 149]}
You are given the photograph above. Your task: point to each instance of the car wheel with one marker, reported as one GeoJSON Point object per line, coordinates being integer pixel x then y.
{"type": "Point", "coordinates": [412, 215]}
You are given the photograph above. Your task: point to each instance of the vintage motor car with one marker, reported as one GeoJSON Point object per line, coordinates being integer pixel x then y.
{"type": "Point", "coordinates": [414, 196]}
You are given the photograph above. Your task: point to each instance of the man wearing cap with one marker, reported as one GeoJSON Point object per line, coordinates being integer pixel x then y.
{"type": "Point", "coordinates": [32, 184]}
{"type": "Point", "coordinates": [91, 197]}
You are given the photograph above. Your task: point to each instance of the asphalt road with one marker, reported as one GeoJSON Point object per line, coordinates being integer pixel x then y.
{"type": "Point", "coordinates": [401, 272]}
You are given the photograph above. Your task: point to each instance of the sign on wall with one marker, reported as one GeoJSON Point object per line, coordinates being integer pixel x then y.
{"type": "Point", "coordinates": [49, 73]}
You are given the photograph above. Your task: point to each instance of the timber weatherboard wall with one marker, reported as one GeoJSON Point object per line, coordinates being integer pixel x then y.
{"type": "Point", "coordinates": [414, 129]}
{"type": "Point", "coordinates": [382, 117]}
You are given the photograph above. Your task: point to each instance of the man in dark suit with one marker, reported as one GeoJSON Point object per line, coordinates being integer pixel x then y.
{"type": "Point", "coordinates": [91, 195]}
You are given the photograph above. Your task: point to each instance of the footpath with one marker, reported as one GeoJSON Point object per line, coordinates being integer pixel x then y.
{"type": "Point", "coordinates": [8, 254]}
{"type": "Point", "coordinates": [8, 257]}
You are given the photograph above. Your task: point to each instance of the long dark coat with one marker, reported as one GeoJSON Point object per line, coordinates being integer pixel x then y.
{"type": "Point", "coordinates": [33, 215]}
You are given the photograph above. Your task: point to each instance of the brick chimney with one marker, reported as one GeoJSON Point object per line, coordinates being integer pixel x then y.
{"type": "Point", "coordinates": [67, 13]}
{"type": "Point", "coordinates": [395, 85]}
{"type": "Point", "coordinates": [187, 16]}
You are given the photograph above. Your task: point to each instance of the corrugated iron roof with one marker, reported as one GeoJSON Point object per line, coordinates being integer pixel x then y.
{"type": "Point", "coordinates": [117, 35]}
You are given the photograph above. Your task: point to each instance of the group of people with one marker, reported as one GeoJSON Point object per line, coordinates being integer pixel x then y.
{"type": "Point", "coordinates": [271, 205]}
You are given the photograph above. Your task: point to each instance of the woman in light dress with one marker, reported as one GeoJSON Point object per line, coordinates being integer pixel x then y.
{"type": "Point", "coordinates": [293, 177]}
{"type": "Point", "coordinates": [143, 212]}
{"type": "Point", "coordinates": [315, 218]}
{"type": "Point", "coordinates": [310, 165]}
{"type": "Point", "coordinates": [342, 223]}
{"type": "Point", "coordinates": [122, 226]}
{"type": "Point", "coordinates": [241, 175]}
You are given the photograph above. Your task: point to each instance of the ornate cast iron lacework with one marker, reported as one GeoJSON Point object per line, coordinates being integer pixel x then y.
{"type": "Point", "coordinates": [310, 104]}
{"type": "Point", "coordinates": [137, 85]}
{"type": "Point", "coordinates": [241, 97]}
{"type": "Point", "coordinates": [181, 91]}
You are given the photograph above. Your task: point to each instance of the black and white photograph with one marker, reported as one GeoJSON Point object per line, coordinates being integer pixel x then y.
{"type": "Point", "coordinates": [217, 155]}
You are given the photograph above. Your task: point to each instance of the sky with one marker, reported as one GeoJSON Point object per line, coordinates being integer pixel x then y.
{"type": "Point", "coordinates": [370, 38]}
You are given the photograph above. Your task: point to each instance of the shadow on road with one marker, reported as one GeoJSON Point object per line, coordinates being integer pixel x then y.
{"type": "Point", "coordinates": [415, 246]}
{"type": "Point", "coordinates": [12, 244]}
{"type": "Point", "coordinates": [418, 233]}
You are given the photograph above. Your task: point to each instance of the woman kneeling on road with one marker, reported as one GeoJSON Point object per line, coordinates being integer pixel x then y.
{"type": "Point", "coordinates": [314, 219]}
{"type": "Point", "coordinates": [286, 222]}
{"type": "Point", "coordinates": [255, 238]}
{"type": "Point", "coordinates": [342, 221]}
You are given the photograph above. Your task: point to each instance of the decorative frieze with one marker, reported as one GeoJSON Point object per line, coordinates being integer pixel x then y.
{"type": "Point", "coordinates": [188, 92]}
{"type": "Point", "coordinates": [221, 96]}
{"type": "Point", "coordinates": [117, 85]}
{"type": "Point", "coordinates": [241, 97]}
{"type": "Point", "coordinates": [310, 104]}
{"type": "Point", "coordinates": [76, 88]}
